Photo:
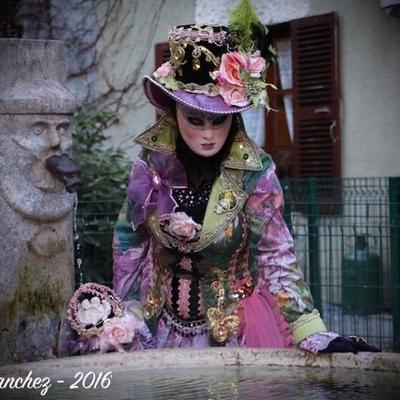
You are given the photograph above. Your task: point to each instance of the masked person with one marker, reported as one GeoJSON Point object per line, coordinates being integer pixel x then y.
{"type": "Point", "coordinates": [201, 249]}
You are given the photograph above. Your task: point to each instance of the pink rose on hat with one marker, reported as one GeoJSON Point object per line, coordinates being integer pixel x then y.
{"type": "Point", "coordinates": [232, 86]}
{"type": "Point", "coordinates": [230, 69]}
{"type": "Point", "coordinates": [256, 64]}
{"type": "Point", "coordinates": [234, 95]}
{"type": "Point", "coordinates": [164, 71]}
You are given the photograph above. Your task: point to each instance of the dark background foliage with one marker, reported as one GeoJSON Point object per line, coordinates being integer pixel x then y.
{"type": "Point", "coordinates": [104, 175]}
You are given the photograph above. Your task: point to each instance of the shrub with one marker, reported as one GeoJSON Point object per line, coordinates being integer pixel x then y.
{"type": "Point", "coordinates": [104, 175]}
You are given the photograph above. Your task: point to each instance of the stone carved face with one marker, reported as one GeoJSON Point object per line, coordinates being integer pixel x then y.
{"type": "Point", "coordinates": [26, 141]}
{"type": "Point", "coordinates": [42, 136]}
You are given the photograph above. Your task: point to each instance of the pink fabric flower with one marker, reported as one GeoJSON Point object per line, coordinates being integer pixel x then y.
{"type": "Point", "coordinates": [118, 331]}
{"type": "Point", "coordinates": [231, 65]}
{"type": "Point", "coordinates": [165, 71]}
{"type": "Point", "coordinates": [256, 64]}
{"type": "Point", "coordinates": [182, 226]}
{"type": "Point", "coordinates": [234, 95]}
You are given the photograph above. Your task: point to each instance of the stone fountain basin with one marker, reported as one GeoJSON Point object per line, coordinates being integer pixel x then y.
{"type": "Point", "coordinates": [220, 373]}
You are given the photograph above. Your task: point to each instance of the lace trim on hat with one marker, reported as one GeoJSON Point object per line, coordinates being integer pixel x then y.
{"type": "Point", "coordinates": [197, 33]}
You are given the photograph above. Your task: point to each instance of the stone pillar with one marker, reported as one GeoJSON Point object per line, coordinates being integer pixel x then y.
{"type": "Point", "coordinates": [36, 232]}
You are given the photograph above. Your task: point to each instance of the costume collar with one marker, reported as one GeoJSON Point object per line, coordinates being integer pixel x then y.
{"type": "Point", "coordinates": [227, 196]}
{"type": "Point", "coordinates": [162, 137]}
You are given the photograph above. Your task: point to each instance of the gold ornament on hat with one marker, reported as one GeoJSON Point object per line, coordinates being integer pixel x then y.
{"type": "Point", "coordinates": [177, 54]}
{"type": "Point", "coordinates": [196, 53]}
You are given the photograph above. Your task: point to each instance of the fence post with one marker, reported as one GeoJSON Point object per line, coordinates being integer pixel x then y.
{"type": "Point", "coordinates": [394, 210]}
{"type": "Point", "coordinates": [288, 203]}
{"type": "Point", "coordinates": [313, 242]}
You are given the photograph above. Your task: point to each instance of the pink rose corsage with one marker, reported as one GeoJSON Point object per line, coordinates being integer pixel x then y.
{"type": "Point", "coordinates": [180, 230]}
{"type": "Point", "coordinates": [181, 226]}
{"type": "Point", "coordinates": [117, 331]}
{"type": "Point", "coordinates": [164, 71]}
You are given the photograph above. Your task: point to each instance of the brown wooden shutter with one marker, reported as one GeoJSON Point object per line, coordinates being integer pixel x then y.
{"type": "Point", "coordinates": [316, 96]}
{"type": "Point", "coordinates": [161, 53]}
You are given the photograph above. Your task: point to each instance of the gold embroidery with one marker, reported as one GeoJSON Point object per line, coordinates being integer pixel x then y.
{"type": "Point", "coordinates": [214, 224]}
{"type": "Point", "coordinates": [210, 89]}
{"type": "Point", "coordinates": [243, 154]}
{"type": "Point", "coordinates": [178, 52]}
{"type": "Point", "coordinates": [219, 323]}
{"type": "Point", "coordinates": [226, 201]}
{"type": "Point", "coordinates": [154, 304]}
{"type": "Point", "coordinates": [160, 136]}
{"type": "Point", "coordinates": [156, 296]}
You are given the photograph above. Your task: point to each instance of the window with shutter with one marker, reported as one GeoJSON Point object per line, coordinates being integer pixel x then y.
{"type": "Point", "coordinates": [316, 96]}
{"type": "Point", "coordinates": [312, 148]}
{"type": "Point", "coordinates": [303, 136]}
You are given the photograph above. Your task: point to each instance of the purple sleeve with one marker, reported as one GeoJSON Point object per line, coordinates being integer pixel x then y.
{"type": "Point", "coordinates": [132, 257]}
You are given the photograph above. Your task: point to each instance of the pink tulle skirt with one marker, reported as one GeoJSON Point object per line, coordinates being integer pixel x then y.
{"type": "Point", "coordinates": [263, 323]}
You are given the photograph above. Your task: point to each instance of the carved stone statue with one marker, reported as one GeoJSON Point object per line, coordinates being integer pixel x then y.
{"type": "Point", "coordinates": [36, 232]}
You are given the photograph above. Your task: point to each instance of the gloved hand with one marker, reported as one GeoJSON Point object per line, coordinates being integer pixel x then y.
{"type": "Point", "coordinates": [351, 344]}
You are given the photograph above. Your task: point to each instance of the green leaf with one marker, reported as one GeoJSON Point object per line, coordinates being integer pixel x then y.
{"type": "Point", "coordinates": [241, 20]}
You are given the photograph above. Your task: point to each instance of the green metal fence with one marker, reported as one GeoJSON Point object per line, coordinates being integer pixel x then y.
{"type": "Point", "coordinates": [347, 236]}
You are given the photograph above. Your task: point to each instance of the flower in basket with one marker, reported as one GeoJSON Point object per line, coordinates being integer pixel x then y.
{"type": "Point", "coordinates": [117, 332]}
{"type": "Point", "coordinates": [92, 311]}
{"type": "Point", "coordinates": [96, 315]}
{"type": "Point", "coordinates": [101, 321]}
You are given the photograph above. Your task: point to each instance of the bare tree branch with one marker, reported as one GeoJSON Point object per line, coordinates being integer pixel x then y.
{"type": "Point", "coordinates": [105, 61]}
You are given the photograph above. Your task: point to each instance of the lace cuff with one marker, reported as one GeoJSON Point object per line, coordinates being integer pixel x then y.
{"type": "Point", "coordinates": [317, 341]}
